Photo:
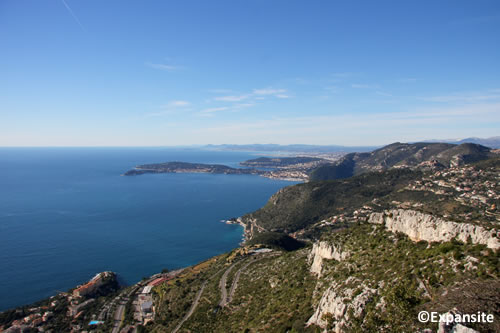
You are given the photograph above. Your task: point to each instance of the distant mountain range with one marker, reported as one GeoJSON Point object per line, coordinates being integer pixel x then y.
{"type": "Point", "coordinates": [493, 142]}
{"type": "Point", "coordinates": [295, 148]}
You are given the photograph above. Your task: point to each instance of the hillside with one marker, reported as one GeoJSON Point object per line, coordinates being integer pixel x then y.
{"type": "Point", "coordinates": [455, 192]}
{"type": "Point", "coordinates": [403, 155]}
{"type": "Point", "coordinates": [296, 207]}
{"type": "Point", "coordinates": [407, 241]}
{"type": "Point", "coordinates": [275, 162]}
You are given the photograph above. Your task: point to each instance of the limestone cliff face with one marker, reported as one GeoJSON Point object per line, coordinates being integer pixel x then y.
{"type": "Point", "coordinates": [336, 302]}
{"type": "Point", "coordinates": [419, 226]}
{"type": "Point", "coordinates": [324, 250]}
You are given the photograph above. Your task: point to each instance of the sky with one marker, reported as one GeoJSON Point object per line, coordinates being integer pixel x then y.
{"type": "Point", "coordinates": [167, 73]}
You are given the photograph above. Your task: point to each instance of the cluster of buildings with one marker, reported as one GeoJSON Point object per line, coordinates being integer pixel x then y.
{"type": "Point", "coordinates": [92, 285]}
{"type": "Point", "coordinates": [298, 171]}
{"type": "Point", "coordinates": [291, 175]}
{"type": "Point", "coordinates": [144, 309]}
{"type": "Point", "coordinates": [468, 186]}
{"type": "Point", "coordinates": [359, 215]}
{"type": "Point", "coordinates": [32, 320]}
{"type": "Point", "coordinates": [64, 305]}
{"type": "Point", "coordinates": [36, 318]}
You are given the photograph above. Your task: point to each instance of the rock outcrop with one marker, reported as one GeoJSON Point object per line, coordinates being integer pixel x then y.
{"type": "Point", "coordinates": [453, 327]}
{"type": "Point", "coordinates": [336, 303]}
{"type": "Point", "coordinates": [324, 250]}
{"type": "Point", "coordinates": [419, 226]}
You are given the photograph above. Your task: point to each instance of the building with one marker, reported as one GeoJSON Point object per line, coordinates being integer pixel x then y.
{"type": "Point", "coordinates": [92, 285]}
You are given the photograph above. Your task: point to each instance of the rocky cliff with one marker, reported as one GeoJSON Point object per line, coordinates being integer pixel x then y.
{"type": "Point", "coordinates": [324, 250]}
{"type": "Point", "coordinates": [341, 303]}
{"type": "Point", "coordinates": [418, 226]}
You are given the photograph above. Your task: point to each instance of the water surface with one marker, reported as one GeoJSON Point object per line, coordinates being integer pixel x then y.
{"type": "Point", "coordinates": [66, 213]}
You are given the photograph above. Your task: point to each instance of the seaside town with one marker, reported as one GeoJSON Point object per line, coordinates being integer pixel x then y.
{"type": "Point", "coordinates": [79, 308]}
{"type": "Point", "coordinates": [125, 310]}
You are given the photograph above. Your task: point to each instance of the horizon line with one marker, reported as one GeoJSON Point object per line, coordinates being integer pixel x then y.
{"type": "Point", "coordinates": [243, 144]}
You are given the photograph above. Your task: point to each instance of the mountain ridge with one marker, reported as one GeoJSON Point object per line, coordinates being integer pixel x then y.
{"type": "Point", "coordinates": [403, 155]}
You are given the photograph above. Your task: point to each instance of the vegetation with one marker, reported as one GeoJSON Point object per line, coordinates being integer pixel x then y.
{"type": "Point", "coordinates": [186, 167]}
{"type": "Point", "coordinates": [407, 276]}
{"type": "Point", "coordinates": [402, 155]}
{"type": "Point", "coordinates": [343, 169]}
{"type": "Point", "coordinates": [276, 240]}
{"type": "Point", "coordinates": [296, 207]}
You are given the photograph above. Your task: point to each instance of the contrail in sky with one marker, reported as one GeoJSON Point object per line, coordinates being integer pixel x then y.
{"type": "Point", "coordinates": [74, 16]}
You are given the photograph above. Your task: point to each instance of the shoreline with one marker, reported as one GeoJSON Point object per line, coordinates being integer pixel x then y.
{"type": "Point", "coordinates": [137, 171]}
{"type": "Point", "coordinates": [171, 274]}
{"type": "Point", "coordinates": [72, 281]}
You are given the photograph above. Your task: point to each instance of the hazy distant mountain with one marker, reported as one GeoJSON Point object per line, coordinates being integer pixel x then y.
{"type": "Point", "coordinates": [403, 155]}
{"type": "Point", "coordinates": [296, 148]}
{"type": "Point", "coordinates": [493, 142]}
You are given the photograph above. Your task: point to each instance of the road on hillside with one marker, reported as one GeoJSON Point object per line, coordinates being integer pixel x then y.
{"type": "Point", "coordinates": [222, 286]}
{"type": "Point", "coordinates": [234, 285]}
{"type": "Point", "coordinates": [193, 307]}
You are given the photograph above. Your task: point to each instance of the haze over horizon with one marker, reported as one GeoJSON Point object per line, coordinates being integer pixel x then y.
{"type": "Point", "coordinates": [358, 73]}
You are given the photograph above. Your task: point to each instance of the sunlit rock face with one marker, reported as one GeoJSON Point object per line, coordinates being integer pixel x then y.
{"type": "Point", "coordinates": [324, 250]}
{"type": "Point", "coordinates": [419, 226]}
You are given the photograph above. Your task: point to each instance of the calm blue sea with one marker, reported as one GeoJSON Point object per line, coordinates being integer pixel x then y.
{"type": "Point", "coordinates": [66, 214]}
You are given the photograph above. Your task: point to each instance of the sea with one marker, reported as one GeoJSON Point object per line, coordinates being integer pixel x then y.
{"type": "Point", "coordinates": [67, 214]}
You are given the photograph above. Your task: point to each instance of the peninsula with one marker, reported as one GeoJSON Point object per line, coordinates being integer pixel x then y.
{"type": "Point", "coordinates": [284, 168]}
{"type": "Point", "coordinates": [185, 167]}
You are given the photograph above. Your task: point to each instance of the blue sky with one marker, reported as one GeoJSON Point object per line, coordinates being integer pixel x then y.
{"type": "Point", "coordinates": [162, 73]}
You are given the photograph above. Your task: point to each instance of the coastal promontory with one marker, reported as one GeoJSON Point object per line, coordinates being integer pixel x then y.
{"type": "Point", "coordinates": [185, 167]}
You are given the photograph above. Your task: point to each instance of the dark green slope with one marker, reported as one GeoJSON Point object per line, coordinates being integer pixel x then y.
{"type": "Point", "coordinates": [344, 169]}
{"type": "Point", "coordinates": [298, 206]}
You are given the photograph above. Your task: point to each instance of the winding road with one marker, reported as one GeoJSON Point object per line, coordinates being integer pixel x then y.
{"type": "Point", "coordinates": [225, 298]}
{"type": "Point", "coordinates": [234, 285]}
{"type": "Point", "coordinates": [222, 285]}
{"type": "Point", "coordinates": [193, 307]}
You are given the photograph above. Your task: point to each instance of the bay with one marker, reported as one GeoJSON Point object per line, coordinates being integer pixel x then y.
{"type": "Point", "coordinates": [67, 213]}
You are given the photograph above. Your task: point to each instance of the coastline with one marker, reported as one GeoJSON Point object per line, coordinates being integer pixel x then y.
{"type": "Point", "coordinates": [286, 168]}
{"type": "Point", "coordinates": [276, 175]}
{"type": "Point", "coordinates": [88, 206]}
